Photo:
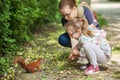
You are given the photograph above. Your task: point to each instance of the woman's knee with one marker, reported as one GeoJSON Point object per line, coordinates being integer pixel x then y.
{"type": "Point", "coordinates": [64, 40]}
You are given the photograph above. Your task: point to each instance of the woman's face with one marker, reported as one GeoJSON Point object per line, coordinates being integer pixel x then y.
{"type": "Point", "coordinates": [68, 13]}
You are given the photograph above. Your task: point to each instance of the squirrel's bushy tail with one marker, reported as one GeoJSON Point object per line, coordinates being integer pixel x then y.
{"type": "Point", "coordinates": [20, 61]}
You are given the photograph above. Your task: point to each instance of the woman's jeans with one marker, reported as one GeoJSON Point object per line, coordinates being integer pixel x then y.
{"type": "Point", "coordinates": [64, 40]}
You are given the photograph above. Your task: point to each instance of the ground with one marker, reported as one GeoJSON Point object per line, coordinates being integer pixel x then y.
{"type": "Point", "coordinates": [58, 66]}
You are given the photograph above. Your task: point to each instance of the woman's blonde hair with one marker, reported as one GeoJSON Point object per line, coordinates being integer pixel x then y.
{"type": "Point", "coordinates": [78, 24]}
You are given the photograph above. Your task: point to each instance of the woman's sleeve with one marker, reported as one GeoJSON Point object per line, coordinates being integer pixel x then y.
{"type": "Point", "coordinates": [89, 16]}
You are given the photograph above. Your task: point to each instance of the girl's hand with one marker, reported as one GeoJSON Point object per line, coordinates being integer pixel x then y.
{"type": "Point", "coordinates": [74, 54]}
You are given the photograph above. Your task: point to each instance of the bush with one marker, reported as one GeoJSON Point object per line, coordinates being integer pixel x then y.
{"type": "Point", "coordinates": [102, 21]}
{"type": "Point", "coordinates": [16, 18]}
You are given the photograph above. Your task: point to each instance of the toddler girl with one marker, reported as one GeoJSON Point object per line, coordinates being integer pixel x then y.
{"type": "Point", "coordinates": [92, 42]}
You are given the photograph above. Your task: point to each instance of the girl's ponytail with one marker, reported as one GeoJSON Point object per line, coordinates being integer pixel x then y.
{"type": "Point", "coordinates": [85, 28]}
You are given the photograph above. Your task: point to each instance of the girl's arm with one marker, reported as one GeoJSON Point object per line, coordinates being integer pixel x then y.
{"type": "Point", "coordinates": [74, 50]}
{"type": "Point", "coordinates": [74, 43]}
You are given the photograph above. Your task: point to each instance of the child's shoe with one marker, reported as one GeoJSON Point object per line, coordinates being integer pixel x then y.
{"type": "Point", "coordinates": [83, 67]}
{"type": "Point", "coordinates": [91, 70]}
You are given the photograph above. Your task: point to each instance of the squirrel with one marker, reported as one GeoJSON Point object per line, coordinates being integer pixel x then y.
{"type": "Point", "coordinates": [30, 67]}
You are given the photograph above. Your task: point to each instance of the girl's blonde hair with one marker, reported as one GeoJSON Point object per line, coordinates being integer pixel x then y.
{"type": "Point", "coordinates": [78, 24]}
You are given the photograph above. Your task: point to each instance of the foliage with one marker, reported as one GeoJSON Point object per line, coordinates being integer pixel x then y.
{"type": "Point", "coordinates": [49, 13]}
{"type": "Point", "coordinates": [17, 20]}
{"type": "Point", "coordinates": [16, 17]}
{"type": "Point", "coordinates": [48, 10]}
{"type": "Point", "coordinates": [115, 50]}
{"type": "Point", "coordinates": [102, 21]}
{"type": "Point", "coordinates": [5, 65]}
{"type": "Point", "coordinates": [116, 74]}
{"type": "Point", "coordinates": [6, 71]}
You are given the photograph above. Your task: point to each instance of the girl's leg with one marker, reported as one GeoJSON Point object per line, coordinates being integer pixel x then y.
{"type": "Point", "coordinates": [94, 53]}
{"type": "Point", "coordinates": [64, 40]}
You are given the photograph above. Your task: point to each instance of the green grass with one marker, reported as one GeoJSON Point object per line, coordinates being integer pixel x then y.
{"type": "Point", "coordinates": [54, 56]}
{"type": "Point", "coordinates": [102, 21]}
{"type": "Point", "coordinates": [116, 74]}
{"type": "Point", "coordinates": [116, 50]}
